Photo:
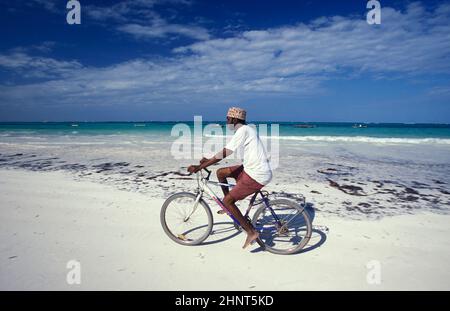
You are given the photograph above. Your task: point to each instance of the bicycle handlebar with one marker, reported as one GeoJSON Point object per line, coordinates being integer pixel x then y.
{"type": "Point", "coordinates": [208, 171]}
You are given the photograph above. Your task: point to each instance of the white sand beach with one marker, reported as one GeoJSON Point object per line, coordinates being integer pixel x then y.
{"type": "Point", "coordinates": [49, 219]}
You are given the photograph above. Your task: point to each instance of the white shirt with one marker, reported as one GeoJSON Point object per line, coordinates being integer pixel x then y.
{"type": "Point", "coordinates": [256, 164]}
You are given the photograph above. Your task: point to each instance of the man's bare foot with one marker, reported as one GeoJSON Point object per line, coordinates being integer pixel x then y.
{"type": "Point", "coordinates": [251, 237]}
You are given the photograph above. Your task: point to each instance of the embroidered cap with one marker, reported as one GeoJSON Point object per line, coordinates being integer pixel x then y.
{"type": "Point", "coordinates": [238, 113]}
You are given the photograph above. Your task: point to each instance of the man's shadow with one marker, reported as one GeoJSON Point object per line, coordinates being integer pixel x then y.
{"type": "Point", "coordinates": [225, 230]}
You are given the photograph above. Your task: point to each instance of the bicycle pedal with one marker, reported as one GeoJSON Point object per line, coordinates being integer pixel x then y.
{"type": "Point", "coordinates": [182, 237]}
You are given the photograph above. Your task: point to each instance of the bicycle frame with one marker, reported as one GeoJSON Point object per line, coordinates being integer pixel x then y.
{"type": "Point", "coordinates": [203, 187]}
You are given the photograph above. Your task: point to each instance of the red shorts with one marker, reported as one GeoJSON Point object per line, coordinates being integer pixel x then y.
{"type": "Point", "coordinates": [245, 185]}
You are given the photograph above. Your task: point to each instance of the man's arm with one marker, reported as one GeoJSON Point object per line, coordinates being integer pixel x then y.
{"type": "Point", "coordinates": [207, 162]}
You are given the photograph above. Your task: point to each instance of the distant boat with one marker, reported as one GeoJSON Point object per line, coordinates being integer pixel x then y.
{"type": "Point", "coordinates": [74, 125]}
{"type": "Point", "coordinates": [139, 125]}
{"type": "Point", "coordinates": [304, 126]}
{"type": "Point", "coordinates": [359, 126]}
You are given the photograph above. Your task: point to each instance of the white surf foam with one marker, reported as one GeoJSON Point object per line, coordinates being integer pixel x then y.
{"type": "Point", "coordinates": [356, 139]}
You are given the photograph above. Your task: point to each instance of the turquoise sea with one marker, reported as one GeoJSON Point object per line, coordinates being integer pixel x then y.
{"type": "Point", "coordinates": [288, 130]}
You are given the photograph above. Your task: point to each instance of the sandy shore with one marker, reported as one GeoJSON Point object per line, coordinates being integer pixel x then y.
{"type": "Point", "coordinates": [49, 219]}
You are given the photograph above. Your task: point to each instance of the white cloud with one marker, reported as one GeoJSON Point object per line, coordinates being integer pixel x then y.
{"type": "Point", "coordinates": [161, 30]}
{"type": "Point", "coordinates": [287, 61]}
{"type": "Point", "coordinates": [43, 47]}
{"type": "Point", "coordinates": [38, 67]}
{"type": "Point", "coordinates": [129, 9]}
{"type": "Point", "coordinates": [139, 18]}
{"type": "Point", "coordinates": [440, 91]}
{"type": "Point", "coordinates": [51, 5]}
{"type": "Point", "coordinates": [412, 42]}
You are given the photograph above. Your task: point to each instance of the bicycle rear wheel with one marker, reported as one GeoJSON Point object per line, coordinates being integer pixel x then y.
{"type": "Point", "coordinates": [290, 234]}
{"type": "Point", "coordinates": [184, 221]}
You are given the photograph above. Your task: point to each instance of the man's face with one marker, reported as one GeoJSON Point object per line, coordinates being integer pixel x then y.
{"type": "Point", "coordinates": [230, 124]}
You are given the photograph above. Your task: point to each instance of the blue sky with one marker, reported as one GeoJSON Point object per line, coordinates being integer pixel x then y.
{"type": "Point", "coordinates": [173, 59]}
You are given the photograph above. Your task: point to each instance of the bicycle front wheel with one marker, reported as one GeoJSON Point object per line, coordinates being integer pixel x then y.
{"type": "Point", "coordinates": [288, 232]}
{"type": "Point", "coordinates": [186, 221]}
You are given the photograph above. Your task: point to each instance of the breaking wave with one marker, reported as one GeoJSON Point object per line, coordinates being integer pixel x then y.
{"type": "Point", "coordinates": [357, 139]}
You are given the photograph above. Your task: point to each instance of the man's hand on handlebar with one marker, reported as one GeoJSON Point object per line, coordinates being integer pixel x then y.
{"type": "Point", "coordinates": [204, 163]}
{"type": "Point", "coordinates": [193, 169]}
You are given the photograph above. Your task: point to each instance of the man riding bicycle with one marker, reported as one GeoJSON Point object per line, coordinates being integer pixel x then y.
{"type": "Point", "coordinates": [250, 177]}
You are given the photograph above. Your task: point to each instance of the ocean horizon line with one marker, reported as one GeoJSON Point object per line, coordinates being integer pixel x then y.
{"type": "Point", "coordinates": [222, 121]}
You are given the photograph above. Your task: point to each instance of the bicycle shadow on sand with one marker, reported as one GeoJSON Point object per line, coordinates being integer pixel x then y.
{"type": "Point", "coordinates": [222, 231]}
{"type": "Point", "coordinates": [225, 230]}
{"type": "Point", "coordinates": [318, 236]}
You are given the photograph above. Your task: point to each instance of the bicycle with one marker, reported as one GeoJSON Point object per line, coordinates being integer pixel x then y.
{"type": "Point", "coordinates": [192, 221]}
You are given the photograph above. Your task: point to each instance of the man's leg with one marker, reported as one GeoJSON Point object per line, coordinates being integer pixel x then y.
{"type": "Point", "coordinates": [222, 175]}
{"type": "Point", "coordinates": [252, 234]}
{"type": "Point", "coordinates": [227, 172]}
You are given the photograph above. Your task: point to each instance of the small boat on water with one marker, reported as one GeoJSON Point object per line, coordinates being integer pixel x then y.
{"type": "Point", "coordinates": [139, 125]}
{"type": "Point", "coordinates": [304, 126]}
{"type": "Point", "coordinates": [74, 125]}
{"type": "Point", "coordinates": [359, 126]}
{"type": "Point", "coordinates": [217, 125]}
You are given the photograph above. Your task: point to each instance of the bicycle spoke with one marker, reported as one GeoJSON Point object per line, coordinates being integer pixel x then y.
{"type": "Point", "coordinates": [186, 220]}
{"type": "Point", "coordinates": [293, 233]}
